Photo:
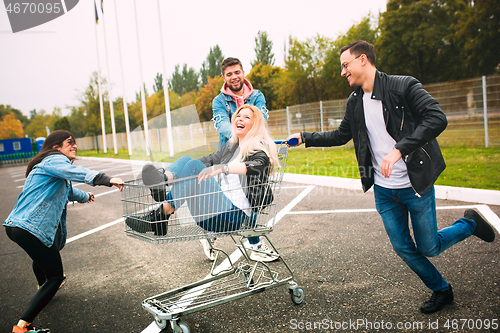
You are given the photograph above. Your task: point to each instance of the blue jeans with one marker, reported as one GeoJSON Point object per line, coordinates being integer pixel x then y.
{"type": "Point", "coordinates": [394, 206]}
{"type": "Point", "coordinates": [208, 205]}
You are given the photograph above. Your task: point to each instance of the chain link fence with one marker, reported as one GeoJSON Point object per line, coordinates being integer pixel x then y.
{"type": "Point", "coordinates": [471, 106]}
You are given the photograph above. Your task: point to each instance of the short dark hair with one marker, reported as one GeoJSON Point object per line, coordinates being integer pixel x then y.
{"type": "Point", "coordinates": [229, 62]}
{"type": "Point", "coordinates": [361, 47]}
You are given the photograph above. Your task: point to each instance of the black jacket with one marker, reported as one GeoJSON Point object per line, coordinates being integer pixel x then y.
{"type": "Point", "coordinates": [255, 183]}
{"type": "Point", "coordinates": [413, 119]}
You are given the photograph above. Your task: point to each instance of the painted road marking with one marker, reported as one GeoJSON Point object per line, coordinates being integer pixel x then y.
{"type": "Point", "coordinates": [486, 211]}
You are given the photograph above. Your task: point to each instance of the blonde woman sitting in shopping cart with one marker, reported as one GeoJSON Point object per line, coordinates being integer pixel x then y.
{"type": "Point", "coordinates": [244, 164]}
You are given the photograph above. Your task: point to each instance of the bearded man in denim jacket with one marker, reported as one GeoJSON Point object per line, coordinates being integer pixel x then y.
{"type": "Point", "coordinates": [394, 123]}
{"type": "Point", "coordinates": [235, 92]}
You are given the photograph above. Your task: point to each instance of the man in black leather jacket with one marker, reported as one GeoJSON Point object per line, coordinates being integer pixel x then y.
{"type": "Point", "coordinates": [394, 123]}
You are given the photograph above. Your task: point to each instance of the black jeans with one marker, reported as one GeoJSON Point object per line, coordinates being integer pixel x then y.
{"type": "Point", "coordinates": [47, 266]}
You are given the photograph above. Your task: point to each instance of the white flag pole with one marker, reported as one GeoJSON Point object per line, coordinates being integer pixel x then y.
{"type": "Point", "coordinates": [113, 128]}
{"type": "Point", "coordinates": [125, 105]}
{"type": "Point", "coordinates": [165, 90]}
{"type": "Point", "coordinates": [99, 85]}
{"type": "Point", "coordinates": [143, 95]}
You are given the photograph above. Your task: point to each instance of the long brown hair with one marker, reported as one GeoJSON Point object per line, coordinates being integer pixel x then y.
{"type": "Point", "coordinates": [55, 138]}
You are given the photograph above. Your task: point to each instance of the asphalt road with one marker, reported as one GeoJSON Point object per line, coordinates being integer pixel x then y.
{"type": "Point", "coordinates": [333, 239]}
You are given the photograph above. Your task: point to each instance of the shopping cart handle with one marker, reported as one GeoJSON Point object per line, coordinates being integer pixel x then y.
{"type": "Point", "coordinates": [291, 142]}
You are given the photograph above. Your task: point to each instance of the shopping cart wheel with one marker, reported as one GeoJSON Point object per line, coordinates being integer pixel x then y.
{"type": "Point", "coordinates": [297, 294]}
{"type": "Point", "coordinates": [161, 323]}
{"type": "Point", "coordinates": [180, 326]}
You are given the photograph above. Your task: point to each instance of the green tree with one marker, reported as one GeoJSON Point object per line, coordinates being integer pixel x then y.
{"type": "Point", "coordinates": [175, 83]}
{"type": "Point", "coordinates": [91, 107]}
{"type": "Point", "coordinates": [185, 81]}
{"type": "Point", "coordinates": [62, 124]}
{"type": "Point", "coordinates": [417, 38]}
{"type": "Point", "coordinates": [265, 78]}
{"type": "Point", "coordinates": [37, 126]}
{"type": "Point", "coordinates": [304, 67]}
{"type": "Point", "coordinates": [338, 87]}
{"type": "Point", "coordinates": [478, 33]}
{"type": "Point", "coordinates": [119, 115]}
{"type": "Point", "coordinates": [77, 121]}
{"type": "Point", "coordinates": [263, 50]}
{"type": "Point", "coordinates": [191, 79]}
{"type": "Point", "coordinates": [211, 66]}
{"type": "Point", "coordinates": [138, 94]}
{"type": "Point", "coordinates": [158, 83]}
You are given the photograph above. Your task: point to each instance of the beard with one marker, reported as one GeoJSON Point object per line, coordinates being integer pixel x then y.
{"type": "Point", "coordinates": [237, 88]}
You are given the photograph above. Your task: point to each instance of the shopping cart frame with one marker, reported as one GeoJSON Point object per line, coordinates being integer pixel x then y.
{"type": "Point", "coordinates": [238, 280]}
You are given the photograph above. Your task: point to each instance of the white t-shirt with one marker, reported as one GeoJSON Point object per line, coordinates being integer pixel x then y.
{"type": "Point", "coordinates": [381, 144]}
{"type": "Point", "coordinates": [231, 186]}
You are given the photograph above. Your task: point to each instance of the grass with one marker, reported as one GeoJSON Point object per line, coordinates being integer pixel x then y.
{"type": "Point", "coordinates": [471, 167]}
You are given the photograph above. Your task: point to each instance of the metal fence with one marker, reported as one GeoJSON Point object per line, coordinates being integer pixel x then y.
{"type": "Point", "coordinates": [18, 158]}
{"type": "Point", "coordinates": [471, 106]}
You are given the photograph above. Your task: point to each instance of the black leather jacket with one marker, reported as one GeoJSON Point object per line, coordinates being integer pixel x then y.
{"type": "Point", "coordinates": [413, 119]}
{"type": "Point", "coordinates": [255, 183]}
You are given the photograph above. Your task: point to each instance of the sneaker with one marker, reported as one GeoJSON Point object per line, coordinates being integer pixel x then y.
{"type": "Point", "coordinates": [142, 224]}
{"type": "Point", "coordinates": [263, 254]}
{"type": "Point", "coordinates": [437, 301]}
{"type": "Point", "coordinates": [156, 180]}
{"type": "Point", "coordinates": [208, 245]}
{"type": "Point", "coordinates": [483, 229]}
{"type": "Point", "coordinates": [29, 328]}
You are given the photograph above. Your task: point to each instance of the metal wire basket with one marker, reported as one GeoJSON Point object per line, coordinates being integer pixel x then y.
{"type": "Point", "coordinates": [145, 220]}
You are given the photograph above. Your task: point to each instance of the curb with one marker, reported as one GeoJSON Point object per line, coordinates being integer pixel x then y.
{"type": "Point", "coordinates": [489, 197]}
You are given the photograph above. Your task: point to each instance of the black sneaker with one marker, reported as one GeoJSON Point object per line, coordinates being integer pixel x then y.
{"type": "Point", "coordinates": [437, 301]}
{"type": "Point", "coordinates": [155, 179]}
{"type": "Point", "coordinates": [483, 229]}
{"type": "Point", "coordinates": [143, 224]}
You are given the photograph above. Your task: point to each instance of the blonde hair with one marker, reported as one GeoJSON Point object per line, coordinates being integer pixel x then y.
{"type": "Point", "coordinates": [257, 138]}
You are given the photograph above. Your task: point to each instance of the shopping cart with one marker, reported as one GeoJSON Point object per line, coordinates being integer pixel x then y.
{"type": "Point", "coordinates": [228, 280]}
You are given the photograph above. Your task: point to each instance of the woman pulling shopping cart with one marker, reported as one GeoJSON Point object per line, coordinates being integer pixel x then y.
{"type": "Point", "coordinates": [244, 165]}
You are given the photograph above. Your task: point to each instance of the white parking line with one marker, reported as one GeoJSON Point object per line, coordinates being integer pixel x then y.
{"type": "Point", "coordinates": [97, 195]}
{"type": "Point", "coordinates": [486, 211]}
{"type": "Point", "coordinates": [15, 175]}
{"type": "Point", "coordinates": [92, 231]}
{"type": "Point", "coordinates": [492, 218]}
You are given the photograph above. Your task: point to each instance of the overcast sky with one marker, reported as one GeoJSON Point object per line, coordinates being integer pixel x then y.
{"type": "Point", "coordinates": [48, 65]}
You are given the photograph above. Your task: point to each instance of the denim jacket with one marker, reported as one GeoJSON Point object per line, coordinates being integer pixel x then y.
{"type": "Point", "coordinates": [41, 206]}
{"type": "Point", "coordinates": [224, 107]}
